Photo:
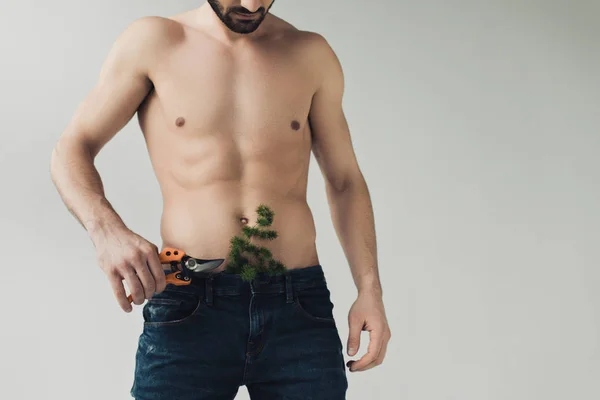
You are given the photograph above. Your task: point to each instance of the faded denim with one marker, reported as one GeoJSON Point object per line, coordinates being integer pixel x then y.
{"type": "Point", "coordinates": [276, 335]}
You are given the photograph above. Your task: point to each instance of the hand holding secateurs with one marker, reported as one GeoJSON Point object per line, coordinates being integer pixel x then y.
{"type": "Point", "coordinates": [183, 265]}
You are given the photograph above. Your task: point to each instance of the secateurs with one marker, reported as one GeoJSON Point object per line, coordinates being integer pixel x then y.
{"type": "Point", "coordinates": [183, 265]}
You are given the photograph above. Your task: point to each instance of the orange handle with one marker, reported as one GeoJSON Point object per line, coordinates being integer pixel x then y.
{"type": "Point", "coordinates": [170, 278]}
{"type": "Point", "coordinates": [167, 256]}
{"type": "Point", "coordinates": [170, 254]}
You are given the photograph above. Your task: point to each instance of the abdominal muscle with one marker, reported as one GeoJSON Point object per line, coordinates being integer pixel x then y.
{"type": "Point", "coordinates": [202, 222]}
{"type": "Point", "coordinates": [212, 183]}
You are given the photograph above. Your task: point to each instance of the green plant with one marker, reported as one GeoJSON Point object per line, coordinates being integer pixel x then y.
{"type": "Point", "coordinates": [239, 263]}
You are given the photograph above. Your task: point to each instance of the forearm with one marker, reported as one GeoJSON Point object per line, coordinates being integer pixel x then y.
{"type": "Point", "coordinates": [79, 184]}
{"type": "Point", "coordinates": [352, 217]}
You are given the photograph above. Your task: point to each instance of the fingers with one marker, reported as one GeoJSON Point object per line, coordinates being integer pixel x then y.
{"type": "Point", "coordinates": [156, 269]}
{"type": "Point", "coordinates": [145, 277]}
{"type": "Point", "coordinates": [355, 328]}
{"type": "Point", "coordinates": [376, 353]}
{"type": "Point", "coordinates": [116, 282]}
{"type": "Point", "coordinates": [135, 286]}
{"type": "Point", "coordinates": [375, 346]}
{"type": "Point", "coordinates": [126, 256]}
{"type": "Point", "coordinates": [379, 358]}
{"type": "Point", "coordinates": [382, 353]}
{"type": "Point", "coordinates": [149, 271]}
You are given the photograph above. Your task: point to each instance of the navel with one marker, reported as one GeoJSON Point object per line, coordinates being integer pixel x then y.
{"type": "Point", "coordinates": [295, 125]}
{"type": "Point", "coordinates": [180, 121]}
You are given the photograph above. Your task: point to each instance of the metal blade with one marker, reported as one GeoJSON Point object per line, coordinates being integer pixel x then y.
{"type": "Point", "coordinates": [200, 265]}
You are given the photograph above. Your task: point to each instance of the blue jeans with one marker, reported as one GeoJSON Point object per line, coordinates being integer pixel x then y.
{"type": "Point", "coordinates": [276, 335]}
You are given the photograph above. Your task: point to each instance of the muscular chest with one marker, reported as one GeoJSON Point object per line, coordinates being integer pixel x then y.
{"type": "Point", "coordinates": [245, 95]}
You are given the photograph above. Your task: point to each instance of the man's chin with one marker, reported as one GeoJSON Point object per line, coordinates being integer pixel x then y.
{"type": "Point", "coordinates": [243, 29]}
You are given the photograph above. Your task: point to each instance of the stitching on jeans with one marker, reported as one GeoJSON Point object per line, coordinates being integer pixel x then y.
{"type": "Point", "coordinates": [298, 306]}
{"type": "Point", "coordinates": [310, 316]}
{"type": "Point", "coordinates": [201, 305]}
{"type": "Point", "coordinates": [164, 301]}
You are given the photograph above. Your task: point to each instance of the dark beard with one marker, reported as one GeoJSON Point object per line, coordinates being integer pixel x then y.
{"type": "Point", "coordinates": [237, 26]}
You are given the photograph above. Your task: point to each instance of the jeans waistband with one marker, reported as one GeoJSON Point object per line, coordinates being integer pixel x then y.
{"type": "Point", "coordinates": [223, 283]}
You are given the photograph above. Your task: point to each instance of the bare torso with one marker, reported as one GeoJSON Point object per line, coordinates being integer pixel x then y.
{"type": "Point", "coordinates": [227, 129]}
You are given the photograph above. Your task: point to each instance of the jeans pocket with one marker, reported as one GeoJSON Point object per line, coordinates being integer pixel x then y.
{"type": "Point", "coordinates": [172, 306]}
{"type": "Point", "coordinates": [315, 304]}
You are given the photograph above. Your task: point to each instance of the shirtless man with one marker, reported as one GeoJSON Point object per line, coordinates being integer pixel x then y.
{"type": "Point", "coordinates": [231, 100]}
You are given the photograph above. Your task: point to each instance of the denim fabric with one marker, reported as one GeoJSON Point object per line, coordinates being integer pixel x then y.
{"type": "Point", "coordinates": [276, 335]}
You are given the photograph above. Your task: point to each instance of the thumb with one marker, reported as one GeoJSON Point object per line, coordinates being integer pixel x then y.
{"type": "Point", "coordinates": [354, 336]}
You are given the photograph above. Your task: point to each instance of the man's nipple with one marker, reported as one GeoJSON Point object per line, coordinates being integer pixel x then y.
{"type": "Point", "coordinates": [180, 121]}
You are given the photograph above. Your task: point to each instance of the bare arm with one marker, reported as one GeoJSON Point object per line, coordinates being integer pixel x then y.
{"type": "Point", "coordinates": [351, 208]}
{"type": "Point", "coordinates": [347, 192]}
{"type": "Point", "coordinates": [123, 84]}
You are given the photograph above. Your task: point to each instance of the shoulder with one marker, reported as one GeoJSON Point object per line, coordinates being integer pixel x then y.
{"type": "Point", "coordinates": [317, 49]}
{"type": "Point", "coordinates": [306, 40]}
{"type": "Point", "coordinates": [152, 31]}
{"type": "Point", "coordinates": [316, 43]}
{"type": "Point", "coordinates": [321, 57]}
{"type": "Point", "coordinates": [144, 42]}
{"type": "Point", "coordinates": [315, 56]}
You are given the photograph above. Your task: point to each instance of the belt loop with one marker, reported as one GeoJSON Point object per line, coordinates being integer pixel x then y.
{"type": "Point", "coordinates": [288, 288]}
{"type": "Point", "coordinates": [208, 289]}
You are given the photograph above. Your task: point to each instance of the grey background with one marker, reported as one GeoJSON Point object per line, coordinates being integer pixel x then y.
{"type": "Point", "coordinates": [476, 126]}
